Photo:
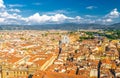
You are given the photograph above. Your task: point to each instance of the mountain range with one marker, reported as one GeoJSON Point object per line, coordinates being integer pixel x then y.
{"type": "Point", "coordinates": [64, 26]}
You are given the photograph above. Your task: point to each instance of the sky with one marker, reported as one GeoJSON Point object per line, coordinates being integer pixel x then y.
{"type": "Point", "coordinates": [35, 12]}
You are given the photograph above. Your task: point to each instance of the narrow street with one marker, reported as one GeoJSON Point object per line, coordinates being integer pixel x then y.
{"type": "Point", "coordinates": [48, 63]}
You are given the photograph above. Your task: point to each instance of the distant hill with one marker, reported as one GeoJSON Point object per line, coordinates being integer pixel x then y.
{"type": "Point", "coordinates": [65, 26]}
{"type": "Point", "coordinates": [1, 28]}
{"type": "Point", "coordinates": [115, 26]}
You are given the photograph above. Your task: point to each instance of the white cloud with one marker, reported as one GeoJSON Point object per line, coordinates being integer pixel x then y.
{"type": "Point", "coordinates": [38, 19]}
{"type": "Point", "coordinates": [91, 7]}
{"type": "Point", "coordinates": [1, 20]}
{"type": "Point", "coordinates": [15, 5]}
{"type": "Point", "coordinates": [90, 16]}
{"type": "Point", "coordinates": [113, 14]}
{"type": "Point", "coordinates": [7, 18]}
{"type": "Point", "coordinates": [110, 17]}
{"type": "Point", "coordinates": [107, 20]}
{"type": "Point", "coordinates": [2, 4]}
{"type": "Point", "coordinates": [14, 10]}
{"type": "Point", "coordinates": [59, 18]}
{"type": "Point", "coordinates": [78, 17]}
{"type": "Point", "coordinates": [37, 3]}
{"type": "Point", "coordinates": [4, 14]}
{"type": "Point", "coordinates": [58, 12]}
{"type": "Point", "coordinates": [11, 16]}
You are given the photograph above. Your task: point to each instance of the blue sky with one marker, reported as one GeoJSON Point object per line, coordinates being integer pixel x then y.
{"type": "Point", "coordinates": [59, 11]}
